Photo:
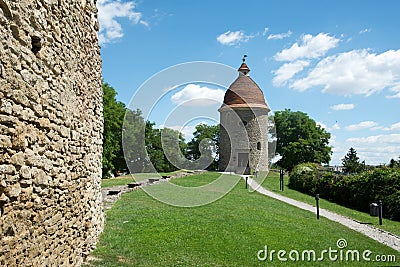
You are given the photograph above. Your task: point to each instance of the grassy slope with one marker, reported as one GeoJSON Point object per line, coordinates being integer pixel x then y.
{"type": "Point", "coordinates": [272, 183]}
{"type": "Point", "coordinates": [141, 231]}
{"type": "Point", "coordinates": [131, 178]}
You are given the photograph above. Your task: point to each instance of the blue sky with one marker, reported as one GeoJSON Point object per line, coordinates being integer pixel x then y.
{"type": "Point", "coordinates": [337, 61]}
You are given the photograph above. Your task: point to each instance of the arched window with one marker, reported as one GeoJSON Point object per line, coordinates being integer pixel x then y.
{"type": "Point", "coordinates": [259, 145]}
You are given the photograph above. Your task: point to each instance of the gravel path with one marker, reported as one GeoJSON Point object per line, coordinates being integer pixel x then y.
{"type": "Point", "coordinates": [379, 235]}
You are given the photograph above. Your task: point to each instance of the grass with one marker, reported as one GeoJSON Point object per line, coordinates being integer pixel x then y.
{"type": "Point", "coordinates": [196, 180]}
{"type": "Point", "coordinates": [141, 231]}
{"type": "Point", "coordinates": [131, 178]}
{"type": "Point", "coordinates": [272, 183]}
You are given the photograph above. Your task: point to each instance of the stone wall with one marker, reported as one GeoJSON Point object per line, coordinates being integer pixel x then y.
{"type": "Point", "coordinates": [50, 132]}
{"type": "Point", "coordinates": [243, 130]}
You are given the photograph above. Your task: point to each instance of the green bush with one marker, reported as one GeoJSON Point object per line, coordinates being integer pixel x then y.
{"type": "Point", "coordinates": [302, 177]}
{"type": "Point", "coordinates": [354, 191]}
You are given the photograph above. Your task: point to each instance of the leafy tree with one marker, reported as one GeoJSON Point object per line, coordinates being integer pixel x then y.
{"type": "Point", "coordinates": [300, 139]}
{"type": "Point", "coordinates": [113, 112]}
{"type": "Point", "coordinates": [128, 138]}
{"type": "Point", "coordinates": [351, 162]}
{"type": "Point", "coordinates": [204, 146]}
{"type": "Point", "coordinates": [154, 147]}
{"type": "Point", "coordinates": [394, 163]}
{"type": "Point", "coordinates": [174, 147]}
{"type": "Point", "coordinates": [162, 144]}
{"type": "Point", "coordinates": [133, 135]}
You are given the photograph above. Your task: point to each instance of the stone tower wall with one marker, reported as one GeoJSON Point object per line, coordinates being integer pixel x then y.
{"type": "Point", "coordinates": [241, 131]}
{"type": "Point", "coordinates": [225, 144]}
{"type": "Point", "coordinates": [257, 130]}
{"type": "Point", "coordinates": [50, 132]}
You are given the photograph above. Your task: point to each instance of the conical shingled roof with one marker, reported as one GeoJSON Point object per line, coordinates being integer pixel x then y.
{"type": "Point", "coordinates": [244, 92]}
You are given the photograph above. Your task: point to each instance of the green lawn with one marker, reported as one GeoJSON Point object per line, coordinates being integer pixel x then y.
{"type": "Point", "coordinates": [272, 183]}
{"type": "Point", "coordinates": [131, 178]}
{"type": "Point", "coordinates": [141, 231]}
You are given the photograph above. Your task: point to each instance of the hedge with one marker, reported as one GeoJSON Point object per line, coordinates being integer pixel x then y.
{"type": "Point", "coordinates": [354, 191]}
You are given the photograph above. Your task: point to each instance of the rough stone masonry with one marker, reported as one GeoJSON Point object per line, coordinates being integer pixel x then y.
{"type": "Point", "coordinates": [50, 132]}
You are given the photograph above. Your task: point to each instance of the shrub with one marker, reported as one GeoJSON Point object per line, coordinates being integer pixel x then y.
{"type": "Point", "coordinates": [354, 191]}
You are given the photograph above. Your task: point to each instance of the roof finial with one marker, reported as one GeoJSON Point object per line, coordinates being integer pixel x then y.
{"type": "Point", "coordinates": [243, 68]}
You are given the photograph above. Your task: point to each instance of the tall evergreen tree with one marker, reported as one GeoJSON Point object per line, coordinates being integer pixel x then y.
{"type": "Point", "coordinates": [351, 163]}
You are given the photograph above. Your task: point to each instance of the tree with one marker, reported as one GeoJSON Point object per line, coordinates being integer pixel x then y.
{"type": "Point", "coordinates": [351, 162]}
{"type": "Point", "coordinates": [394, 163]}
{"type": "Point", "coordinates": [130, 142]}
{"type": "Point", "coordinates": [113, 112]}
{"type": "Point", "coordinates": [164, 147]}
{"type": "Point", "coordinates": [174, 147]}
{"type": "Point", "coordinates": [204, 146]}
{"type": "Point", "coordinates": [133, 135]}
{"type": "Point", "coordinates": [300, 139]}
{"type": "Point", "coordinates": [149, 149]}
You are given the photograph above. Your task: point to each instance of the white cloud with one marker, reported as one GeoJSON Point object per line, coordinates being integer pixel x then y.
{"type": "Point", "coordinates": [279, 36]}
{"type": "Point", "coordinates": [375, 150]}
{"type": "Point", "coordinates": [361, 126]}
{"type": "Point", "coordinates": [144, 23]}
{"type": "Point", "coordinates": [196, 95]}
{"type": "Point", "coordinates": [287, 71]}
{"type": "Point", "coordinates": [265, 31]}
{"type": "Point", "coordinates": [365, 31]}
{"type": "Point", "coordinates": [336, 126]}
{"type": "Point", "coordinates": [357, 72]}
{"type": "Point", "coordinates": [109, 11]}
{"type": "Point", "coordinates": [393, 127]}
{"type": "Point", "coordinates": [233, 38]}
{"type": "Point", "coordinates": [310, 47]}
{"type": "Point", "coordinates": [381, 144]}
{"type": "Point", "coordinates": [324, 126]}
{"type": "Point", "coordinates": [377, 128]}
{"type": "Point", "coordinates": [394, 96]}
{"type": "Point", "coordinates": [395, 89]}
{"type": "Point", "coordinates": [343, 107]}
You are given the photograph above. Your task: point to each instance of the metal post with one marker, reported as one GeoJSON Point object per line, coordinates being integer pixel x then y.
{"type": "Point", "coordinates": [246, 181]}
{"type": "Point", "coordinates": [380, 211]}
{"type": "Point", "coordinates": [316, 200]}
{"type": "Point", "coordinates": [280, 179]}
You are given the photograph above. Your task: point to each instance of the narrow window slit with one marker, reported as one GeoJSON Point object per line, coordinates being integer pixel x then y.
{"type": "Point", "coordinates": [36, 44]}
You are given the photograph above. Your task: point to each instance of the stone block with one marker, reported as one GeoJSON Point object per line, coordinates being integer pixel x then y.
{"type": "Point", "coordinates": [7, 169]}
{"type": "Point", "coordinates": [13, 190]}
{"type": "Point", "coordinates": [25, 172]}
{"type": "Point", "coordinates": [18, 159]}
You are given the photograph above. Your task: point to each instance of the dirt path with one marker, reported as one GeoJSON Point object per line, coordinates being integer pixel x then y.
{"type": "Point", "coordinates": [379, 235]}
